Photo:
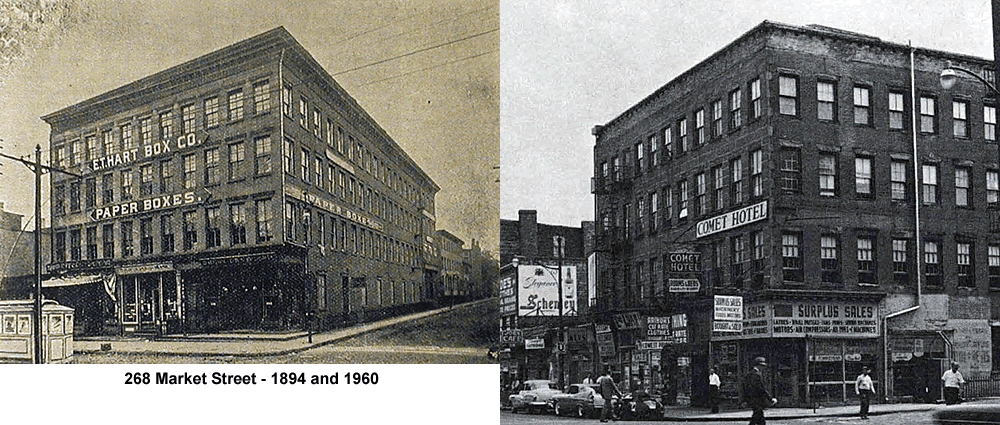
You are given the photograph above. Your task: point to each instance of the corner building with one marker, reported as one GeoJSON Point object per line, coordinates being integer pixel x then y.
{"type": "Point", "coordinates": [244, 189]}
{"type": "Point", "coordinates": [786, 163]}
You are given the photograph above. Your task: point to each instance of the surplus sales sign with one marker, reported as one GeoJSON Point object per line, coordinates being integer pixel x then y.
{"type": "Point", "coordinates": [796, 319]}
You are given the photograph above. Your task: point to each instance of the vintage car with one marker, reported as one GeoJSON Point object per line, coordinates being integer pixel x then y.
{"type": "Point", "coordinates": [534, 396]}
{"type": "Point", "coordinates": [579, 400]}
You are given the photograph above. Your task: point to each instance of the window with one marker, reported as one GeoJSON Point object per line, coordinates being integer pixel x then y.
{"type": "Point", "coordinates": [166, 233]}
{"type": "Point", "coordinates": [190, 231]}
{"type": "Point", "coordinates": [639, 157]}
{"type": "Point", "coordinates": [290, 212]}
{"type": "Point", "coordinates": [166, 176]}
{"type": "Point", "coordinates": [145, 131]}
{"type": "Point", "coordinates": [211, 112]}
{"type": "Point", "coordinates": [235, 102]}
{"type": "Point", "coordinates": [791, 261]}
{"type": "Point", "coordinates": [190, 171]}
{"type": "Point", "coordinates": [700, 203]}
{"type": "Point", "coordinates": [90, 192]}
{"type": "Point", "coordinates": [682, 196]}
{"type": "Point", "coordinates": [59, 199]}
{"type": "Point", "coordinates": [668, 143]}
{"type": "Point", "coordinates": [825, 101]}
{"type": "Point", "coordinates": [59, 250]}
{"type": "Point", "coordinates": [959, 118]}
{"type": "Point", "coordinates": [717, 128]}
{"type": "Point", "coordinates": [261, 97]}
{"type": "Point", "coordinates": [990, 123]}
{"type": "Point", "coordinates": [304, 165]}
{"type": "Point", "coordinates": [758, 258]}
{"type": "Point", "coordinates": [668, 206]}
{"type": "Point", "coordinates": [286, 100]}
{"type": "Point", "coordinates": [927, 114]}
{"type": "Point", "coordinates": [187, 119]}
{"type": "Point", "coordinates": [791, 170]}
{"type": "Point", "coordinates": [682, 133]}
{"type": "Point", "coordinates": [213, 238]}
{"type": "Point", "coordinates": [739, 251]}
{"type": "Point", "coordinates": [110, 147]}
{"type": "Point", "coordinates": [929, 184]}
{"type": "Point", "coordinates": [237, 161]}
{"type": "Point", "coordinates": [828, 259]}
{"type": "Point", "coordinates": [108, 241]}
{"type": "Point", "coordinates": [932, 263]}
{"type": "Point", "coordinates": [788, 95]}
{"type": "Point", "coordinates": [147, 177]}
{"type": "Point", "coordinates": [78, 153]}
{"type": "Point", "coordinates": [212, 175]}
{"type": "Point", "coordinates": [756, 173]}
{"type": "Point", "coordinates": [127, 193]}
{"type": "Point", "coordinates": [128, 142]}
{"type": "Point", "coordinates": [74, 196]}
{"type": "Point", "coordinates": [91, 243]}
{"type": "Point", "coordinates": [900, 262]}
{"type": "Point", "coordinates": [237, 224]}
{"type": "Point", "coordinates": [992, 187]}
{"type": "Point", "coordinates": [166, 126]}
{"type": "Point", "coordinates": [316, 123]}
{"type": "Point", "coordinates": [289, 162]}
{"type": "Point", "coordinates": [146, 236]}
{"type": "Point", "coordinates": [962, 187]}
{"type": "Point", "coordinates": [262, 155]}
{"type": "Point", "coordinates": [329, 133]}
{"type": "Point", "coordinates": [866, 260]}
{"type": "Point", "coordinates": [91, 142]}
{"type": "Point", "coordinates": [736, 185]}
{"type": "Point", "coordinates": [719, 175]}
{"type": "Point", "coordinates": [756, 108]}
{"type": "Point", "coordinates": [993, 258]}
{"type": "Point", "coordinates": [966, 275]}
{"type": "Point", "coordinates": [75, 254]}
{"type": "Point", "coordinates": [318, 171]}
{"type": "Point", "coordinates": [654, 210]}
{"type": "Point", "coordinates": [863, 177]}
{"type": "Point", "coordinates": [699, 127]}
{"type": "Point", "coordinates": [654, 154]}
{"type": "Point", "coordinates": [304, 112]}
{"type": "Point", "coordinates": [862, 106]}
{"type": "Point", "coordinates": [898, 171]}
{"type": "Point", "coordinates": [128, 247]}
{"type": "Point", "coordinates": [107, 188]}
{"type": "Point", "coordinates": [735, 113]}
{"type": "Point", "coordinates": [827, 174]}
{"type": "Point", "coordinates": [896, 110]}
{"type": "Point", "coordinates": [264, 220]}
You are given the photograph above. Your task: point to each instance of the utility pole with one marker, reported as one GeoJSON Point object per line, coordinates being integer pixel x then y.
{"type": "Point", "coordinates": [37, 167]}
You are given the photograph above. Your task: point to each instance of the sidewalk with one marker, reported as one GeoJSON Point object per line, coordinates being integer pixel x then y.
{"type": "Point", "coordinates": [697, 414]}
{"type": "Point", "coordinates": [237, 344]}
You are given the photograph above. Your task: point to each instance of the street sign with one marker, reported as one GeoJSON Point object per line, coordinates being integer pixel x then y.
{"type": "Point", "coordinates": [561, 347]}
{"type": "Point", "coordinates": [684, 285]}
{"type": "Point", "coordinates": [534, 344]}
{"type": "Point", "coordinates": [681, 262]}
{"type": "Point", "coordinates": [723, 326]}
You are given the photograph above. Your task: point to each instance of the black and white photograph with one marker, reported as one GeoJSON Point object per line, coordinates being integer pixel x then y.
{"type": "Point", "coordinates": [770, 211]}
{"type": "Point", "coordinates": [225, 183]}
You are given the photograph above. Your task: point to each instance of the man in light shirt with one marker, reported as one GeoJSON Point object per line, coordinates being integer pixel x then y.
{"type": "Point", "coordinates": [865, 389]}
{"type": "Point", "coordinates": [952, 383]}
{"type": "Point", "coordinates": [714, 383]}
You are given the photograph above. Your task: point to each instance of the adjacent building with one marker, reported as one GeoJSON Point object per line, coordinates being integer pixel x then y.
{"type": "Point", "coordinates": [824, 181]}
{"type": "Point", "coordinates": [239, 190]}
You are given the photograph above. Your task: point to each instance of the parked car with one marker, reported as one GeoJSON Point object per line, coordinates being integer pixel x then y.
{"type": "Point", "coordinates": [639, 405]}
{"type": "Point", "coordinates": [579, 400]}
{"type": "Point", "coordinates": [534, 396]}
{"type": "Point", "coordinates": [987, 414]}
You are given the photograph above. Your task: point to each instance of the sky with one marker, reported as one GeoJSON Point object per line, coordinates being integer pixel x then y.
{"type": "Point", "coordinates": [440, 104]}
{"type": "Point", "coordinates": [570, 65]}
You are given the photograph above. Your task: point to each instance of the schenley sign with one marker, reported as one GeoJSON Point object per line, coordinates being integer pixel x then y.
{"type": "Point", "coordinates": [732, 219]}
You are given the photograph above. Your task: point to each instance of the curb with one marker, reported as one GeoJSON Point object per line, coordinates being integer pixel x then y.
{"type": "Point", "coordinates": [786, 417]}
{"type": "Point", "coordinates": [259, 354]}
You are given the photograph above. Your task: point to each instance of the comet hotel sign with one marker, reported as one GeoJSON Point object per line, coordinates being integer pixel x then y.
{"type": "Point", "coordinates": [732, 219]}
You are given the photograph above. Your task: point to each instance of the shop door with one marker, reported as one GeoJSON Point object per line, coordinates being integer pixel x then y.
{"type": "Point", "coordinates": [148, 300]}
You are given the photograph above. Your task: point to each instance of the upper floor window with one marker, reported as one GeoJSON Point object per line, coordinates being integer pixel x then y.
{"type": "Point", "coordinates": [756, 173]}
{"type": "Point", "coordinates": [303, 112]}
{"type": "Point", "coordinates": [791, 170]}
{"type": "Point", "coordinates": [962, 188]}
{"type": "Point", "coordinates": [211, 112]}
{"type": "Point", "coordinates": [128, 142]}
{"type": "Point", "coordinates": [929, 184]}
{"type": "Point", "coordinates": [668, 143]}
{"type": "Point", "coordinates": [639, 157]}
{"type": "Point", "coordinates": [682, 133]}
{"type": "Point", "coordinates": [717, 118]}
{"type": "Point", "coordinates": [145, 131]}
{"type": "Point", "coordinates": [736, 185]}
{"type": "Point", "coordinates": [863, 177]}
{"type": "Point", "coordinates": [212, 175]}
{"type": "Point", "coordinates": [862, 106]}
{"type": "Point", "coordinates": [928, 111]}
{"type": "Point", "coordinates": [286, 100]}
{"type": "Point", "coordinates": [866, 260]}
{"type": "Point", "coordinates": [261, 97]}
{"type": "Point", "coordinates": [791, 257]}
{"type": "Point", "coordinates": [735, 113]}
{"type": "Point", "coordinates": [827, 174]}
{"type": "Point", "coordinates": [990, 123]}
{"type": "Point", "coordinates": [653, 151]}
{"type": "Point", "coordinates": [110, 146]}
{"type": "Point", "coordinates": [719, 174]}
{"type": "Point", "coordinates": [166, 126]}
{"type": "Point", "coordinates": [788, 95]}
{"type": "Point", "coordinates": [756, 108]}
{"type": "Point", "coordinates": [966, 275]}
{"type": "Point", "coordinates": [699, 127]}
{"type": "Point", "coordinates": [898, 175]}
{"type": "Point", "coordinates": [992, 187]}
{"type": "Point", "coordinates": [187, 119]}
{"type": "Point", "coordinates": [826, 97]}
{"type": "Point", "coordinates": [235, 104]}
{"type": "Point", "coordinates": [702, 189]}
{"type": "Point", "coordinates": [960, 118]}
{"type": "Point", "coordinates": [896, 110]}
{"type": "Point", "coordinates": [932, 263]}
{"type": "Point", "coordinates": [829, 263]}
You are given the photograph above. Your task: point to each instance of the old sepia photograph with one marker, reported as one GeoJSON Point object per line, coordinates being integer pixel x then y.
{"type": "Point", "coordinates": [723, 211]}
{"type": "Point", "coordinates": [230, 182]}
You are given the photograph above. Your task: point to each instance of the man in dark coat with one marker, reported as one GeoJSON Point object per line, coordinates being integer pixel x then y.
{"type": "Point", "coordinates": [755, 394]}
{"type": "Point", "coordinates": [608, 390]}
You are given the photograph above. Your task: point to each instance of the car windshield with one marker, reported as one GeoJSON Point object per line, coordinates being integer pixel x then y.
{"type": "Point", "coordinates": [542, 384]}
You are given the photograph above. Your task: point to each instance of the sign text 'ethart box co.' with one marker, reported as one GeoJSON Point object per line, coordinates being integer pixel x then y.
{"type": "Point", "coordinates": [538, 290]}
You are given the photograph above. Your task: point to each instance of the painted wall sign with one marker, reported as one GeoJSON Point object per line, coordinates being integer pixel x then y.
{"type": "Point", "coordinates": [146, 151]}
{"type": "Point", "coordinates": [538, 291]}
{"type": "Point", "coordinates": [508, 295]}
{"type": "Point", "coordinates": [145, 205]}
{"type": "Point", "coordinates": [732, 219]}
{"type": "Point", "coordinates": [332, 207]}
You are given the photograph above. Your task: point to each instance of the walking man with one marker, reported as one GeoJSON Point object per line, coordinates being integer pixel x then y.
{"type": "Point", "coordinates": [754, 393]}
{"type": "Point", "coordinates": [714, 384]}
{"type": "Point", "coordinates": [865, 389]}
{"type": "Point", "coordinates": [608, 391]}
{"type": "Point", "coordinates": [953, 382]}
{"type": "Point", "coordinates": [589, 379]}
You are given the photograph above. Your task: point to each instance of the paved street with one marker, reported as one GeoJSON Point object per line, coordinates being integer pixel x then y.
{"type": "Point", "coordinates": [460, 335]}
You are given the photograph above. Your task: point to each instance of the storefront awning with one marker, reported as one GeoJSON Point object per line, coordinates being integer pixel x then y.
{"type": "Point", "coordinates": [70, 280]}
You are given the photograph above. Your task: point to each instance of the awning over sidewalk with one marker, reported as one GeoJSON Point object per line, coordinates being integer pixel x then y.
{"type": "Point", "coordinates": [71, 280]}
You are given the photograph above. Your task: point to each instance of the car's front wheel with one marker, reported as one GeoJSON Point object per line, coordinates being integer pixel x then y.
{"type": "Point", "coordinates": [558, 410]}
{"type": "Point", "coordinates": [579, 411]}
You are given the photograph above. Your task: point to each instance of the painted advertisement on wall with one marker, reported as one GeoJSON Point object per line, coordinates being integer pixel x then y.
{"type": "Point", "coordinates": [538, 290]}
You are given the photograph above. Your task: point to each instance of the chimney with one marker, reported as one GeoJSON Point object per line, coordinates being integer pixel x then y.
{"type": "Point", "coordinates": [528, 221]}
